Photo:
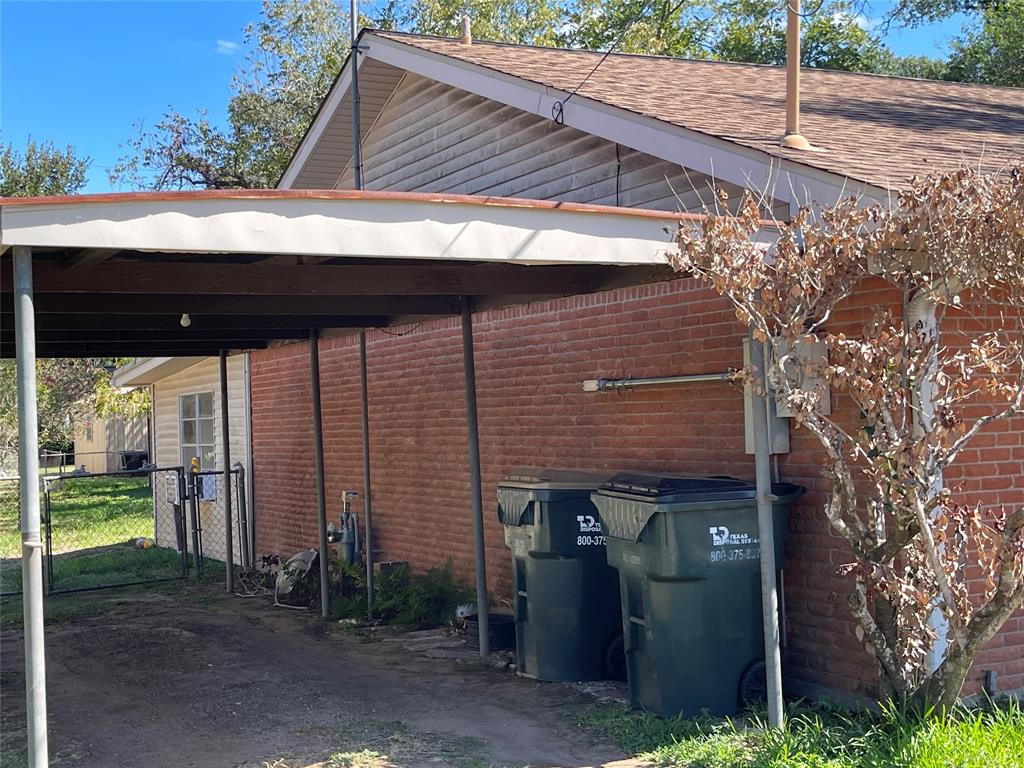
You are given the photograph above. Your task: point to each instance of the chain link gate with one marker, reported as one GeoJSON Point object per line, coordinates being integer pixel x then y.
{"type": "Point", "coordinates": [115, 529]}
{"type": "Point", "coordinates": [208, 528]}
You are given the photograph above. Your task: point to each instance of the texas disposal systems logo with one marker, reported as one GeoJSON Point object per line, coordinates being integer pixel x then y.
{"type": "Point", "coordinates": [720, 537]}
{"type": "Point", "coordinates": [588, 524]}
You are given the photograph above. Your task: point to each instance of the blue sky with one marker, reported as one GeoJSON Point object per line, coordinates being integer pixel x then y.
{"type": "Point", "coordinates": [83, 72]}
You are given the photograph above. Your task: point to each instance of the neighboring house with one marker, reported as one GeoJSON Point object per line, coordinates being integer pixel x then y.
{"type": "Point", "coordinates": [186, 423]}
{"type": "Point", "coordinates": [100, 442]}
{"type": "Point", "coordinates": [487, 119]}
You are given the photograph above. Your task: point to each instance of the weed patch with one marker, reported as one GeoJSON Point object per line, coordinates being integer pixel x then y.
{"type": "Point", "coordinates": [822, 738]}
{"type": "Point", "coordinates": [415, 600]}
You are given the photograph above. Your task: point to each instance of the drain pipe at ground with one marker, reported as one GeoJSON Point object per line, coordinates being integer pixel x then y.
{"type": "Point", "coordinates": [921, 319]}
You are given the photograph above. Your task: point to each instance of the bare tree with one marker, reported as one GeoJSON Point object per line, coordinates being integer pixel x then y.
{"type": "Point", "coordinates": [913, 390]}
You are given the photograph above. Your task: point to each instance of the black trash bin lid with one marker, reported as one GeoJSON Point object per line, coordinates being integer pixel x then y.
{"type": "Point", "coordinates": [667, 489]}
{"type": "Point", "coordinates": [554, 479]}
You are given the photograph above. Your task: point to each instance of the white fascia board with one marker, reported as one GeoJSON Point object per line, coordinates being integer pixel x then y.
{"type": "Point", "coordinates": [374, 225]}
{"type": "Point", "coordinates": [149, 370]}
{"type": "Point", "coordinates": [717, 158]}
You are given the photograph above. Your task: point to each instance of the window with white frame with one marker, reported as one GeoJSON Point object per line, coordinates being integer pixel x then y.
{"type": "Point", "coordinates": [195, 413]}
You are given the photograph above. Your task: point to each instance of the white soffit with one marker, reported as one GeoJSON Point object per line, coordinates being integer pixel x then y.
{"type": "Point", "coordinates": [149, 370]}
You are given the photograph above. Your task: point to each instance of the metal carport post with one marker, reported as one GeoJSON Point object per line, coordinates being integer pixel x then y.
{"type": "Point", "coordinates": [225, 437]}
{"type": "Point", "coordinates": [318, 460]}
{"type": "Point", "coordinates": [31, 543]}
{"type": "Point", "coordinates": [476, 497]}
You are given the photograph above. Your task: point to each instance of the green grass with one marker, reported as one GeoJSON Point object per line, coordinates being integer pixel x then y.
{"type": "Point", "coordinates": [823, 738]}
{"type": "Point", "coordinates": [90, 512]}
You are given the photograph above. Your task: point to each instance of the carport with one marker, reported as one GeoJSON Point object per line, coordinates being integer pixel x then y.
{"type": "Point", "coordinates": [211, 272]}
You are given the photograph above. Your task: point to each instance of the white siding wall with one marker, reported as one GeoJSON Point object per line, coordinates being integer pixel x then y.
{"type": "Point", "coordinates": [204, 377]}
{"type": "Point", "coordinates": [99, 442]}
{"type": "Point", "coordinates": [435, 138]}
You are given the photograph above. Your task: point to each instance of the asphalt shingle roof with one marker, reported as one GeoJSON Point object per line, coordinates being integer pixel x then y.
{"type": "Point", "coordinates": [879, 130]}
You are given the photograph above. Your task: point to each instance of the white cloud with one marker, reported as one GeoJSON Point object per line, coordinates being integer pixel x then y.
{"type": "Point", "coordinates": [227, 47]}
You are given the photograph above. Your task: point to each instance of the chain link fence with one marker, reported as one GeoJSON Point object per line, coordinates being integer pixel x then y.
{"type": "Point", "coordinates": [110, 529]}
{"type": "Point", "coordinates": [114, 529]}
{"type": "Point", "coordinates": [10, 537]}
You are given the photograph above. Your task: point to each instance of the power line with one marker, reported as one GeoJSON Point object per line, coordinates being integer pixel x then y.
{"type": "Point", "coordinates": [558, 108]}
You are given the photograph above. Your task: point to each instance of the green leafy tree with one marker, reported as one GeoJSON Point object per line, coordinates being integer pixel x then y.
{"type": "Point", "coordinates": [730, 30]}
{"type": "Point", "coordinates": [294, 52]}
{"type": "Point", "coordinates": [992, 53]}
{"type": "Point", "coordinates": [923, 67]}
{"type": "Point", "coordinates": [534, 22]}
{"type": "Point", "coordinates": [913, 13]}
{"type": "Point", "coordinates": [833, 36]}
{"type": "Point", "coordinates": [658, 27]}
{"type": "Point", "coordinates": [41, 169]}
{"type": "Point", "coordinates": [67, 388]}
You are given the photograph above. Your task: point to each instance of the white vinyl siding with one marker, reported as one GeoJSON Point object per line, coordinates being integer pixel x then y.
{"type": "Point", "coordinates": [202, 377]}
{"type": "Point", "coordinates": [434, 138]}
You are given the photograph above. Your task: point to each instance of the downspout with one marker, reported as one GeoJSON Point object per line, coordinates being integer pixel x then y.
{"type": "Point", "coordinates": [921, 319]}
{"type": "Point", "coordinates": [766, 535]}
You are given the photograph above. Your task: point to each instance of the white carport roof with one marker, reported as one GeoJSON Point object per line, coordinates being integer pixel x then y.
{"type": "Point", "coordinates": [114, 273]}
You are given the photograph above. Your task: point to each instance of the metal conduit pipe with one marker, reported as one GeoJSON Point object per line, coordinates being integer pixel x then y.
{"type": "Point", "coordinates": [601, 385]}
{"type": "Point", "coordinates": [765, 530]}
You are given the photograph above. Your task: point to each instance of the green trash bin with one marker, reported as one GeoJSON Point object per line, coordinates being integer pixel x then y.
{"type": "Point", "coordinates": [568, 619]}
{"type": "Point", "coordinates": [688, 557]}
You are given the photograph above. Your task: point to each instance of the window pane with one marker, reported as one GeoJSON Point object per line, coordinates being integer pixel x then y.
{"type": "Point", "coordinates": [188, 432]}
{"type": "Point", "coordinates": [188, 406]}
{"type": "Point", "coordinates": [206, 431]}
{"type": "Point", "coordinates": [187, 452]}
{"type": "Point", "coordinates": [205, 404]}
{"type": "Point", "coordinates": [209, 458]}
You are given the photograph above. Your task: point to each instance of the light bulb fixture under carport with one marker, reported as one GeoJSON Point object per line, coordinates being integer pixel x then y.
{"type": "Point", "coordinates": [185, 321]}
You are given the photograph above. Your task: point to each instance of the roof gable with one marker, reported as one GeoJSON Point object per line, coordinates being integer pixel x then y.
{"type": "Point", "coordinates": [878, 130]}
{"type": "Point", "coordinates": [721, 119]}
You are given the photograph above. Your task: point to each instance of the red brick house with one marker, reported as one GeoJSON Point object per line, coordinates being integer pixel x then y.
{"type": "Point", "coordinates": [439, 116]}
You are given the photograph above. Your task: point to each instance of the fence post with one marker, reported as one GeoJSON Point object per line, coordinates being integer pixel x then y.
{"type": "Point", "coordinates": [193, 513]}
{"type": "Point", "coordinates": [243, 518]}
{"type": "Point", "coordinates": [225, 437]}
{"type": "Point", "coordinates": [179, 516]}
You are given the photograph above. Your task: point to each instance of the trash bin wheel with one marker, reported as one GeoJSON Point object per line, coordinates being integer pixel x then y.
{"type": "Point", "coordinates": [753, 688]}
{"type": "Point", "coordinates": [615, 659]}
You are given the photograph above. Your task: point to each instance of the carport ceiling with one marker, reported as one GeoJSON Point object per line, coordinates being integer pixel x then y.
{"type": "Point", "coordinates": [113, 274]}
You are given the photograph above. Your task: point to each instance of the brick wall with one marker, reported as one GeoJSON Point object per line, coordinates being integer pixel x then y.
{"type": "Point", "coordinates": [531, 362]}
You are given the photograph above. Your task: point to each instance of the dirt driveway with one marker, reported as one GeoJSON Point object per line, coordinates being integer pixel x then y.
{"type": "Point", "coordinates": [178, 681]}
